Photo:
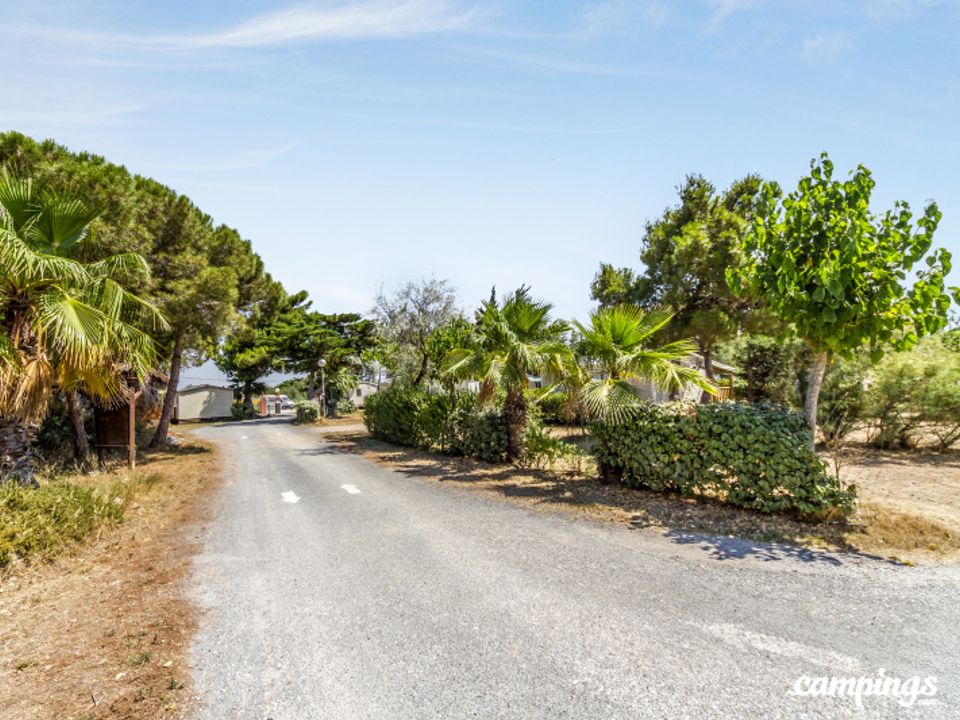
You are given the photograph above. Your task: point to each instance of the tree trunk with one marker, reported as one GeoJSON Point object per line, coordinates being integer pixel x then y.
{"type": "Point", "coordinates": [424, 365]}
{"type": "Point", "coordinates": [515, 413]}
{"type": "Point", "coordinates": [814, 381]}
{"type": "Point", "coordinates": [707, 354]}
{"type": "Point", "coordinates": [17, 458]}
{"type": "Point", "coordinates": [81, 450]}
{"type": "Point", "coordinates": [163, 427]}
{"type": "Point", "coordinates": [311, 387]}
{"type": "Point", "coordinates": [248, 410]}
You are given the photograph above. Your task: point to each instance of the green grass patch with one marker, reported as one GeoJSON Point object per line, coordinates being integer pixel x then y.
{"type": "Point", "coordinates": [39, 523]}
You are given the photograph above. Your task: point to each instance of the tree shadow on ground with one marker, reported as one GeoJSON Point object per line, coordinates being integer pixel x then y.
{"type": "Point", "coordinates": [723, 532]}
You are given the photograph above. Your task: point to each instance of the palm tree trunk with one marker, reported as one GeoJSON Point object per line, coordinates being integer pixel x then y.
{"type": "Point", "coordinates": [17, 458]}
{"type": "Point", "coordinates": [163, 427]}
{"type": "Point", "coordinates": [815, 380]}
{"type": "Point", "coordinates": [81, 450]}
{"type": "Point", "coordinates": [515, 413]}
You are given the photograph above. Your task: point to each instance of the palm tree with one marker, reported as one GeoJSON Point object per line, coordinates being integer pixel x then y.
{"type": "Point", "coordinates": [514, 339]}
{"type": "Point", "coordinates": [617, 343]}
{"type": "Point", "coordinates": [63, 323]}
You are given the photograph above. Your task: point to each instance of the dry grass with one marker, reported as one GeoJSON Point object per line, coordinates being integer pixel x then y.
{"type": "Point", "coordinates": [354, 418]}
{"type": "Point", "coordinates": [103, 630]}
{"type": "Point", "coordinates": [880, 529]}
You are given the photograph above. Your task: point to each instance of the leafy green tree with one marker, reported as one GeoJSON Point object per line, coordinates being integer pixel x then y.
{"type": "Point", "coordinates": [838, 274]}
{"type": "Point", "coordinates": [250, 351]}
{"type": "Point", "coordinates": [199, 297]}
{"type": "Point", "coordinates": [514, 339]}
{"type": "Point", "coordinates": [457, 333]}
{"type": "Point", "coordinates": [617, 342]}
{"type": "Point", "coordinates": [686, 253]}
{"type": "Point", "coordinates": [63, 323]}
{"type": "Point", "coordinates": [305, 337]}
{"type": "Point", "coordinates": [407, 318]}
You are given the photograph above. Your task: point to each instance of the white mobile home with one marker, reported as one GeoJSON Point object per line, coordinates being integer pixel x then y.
{"type": "Point", "coordinates": [203, 402]}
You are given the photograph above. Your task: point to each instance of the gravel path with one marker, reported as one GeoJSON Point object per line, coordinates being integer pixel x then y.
{"type": "Point", "coordinates": [335, 588]}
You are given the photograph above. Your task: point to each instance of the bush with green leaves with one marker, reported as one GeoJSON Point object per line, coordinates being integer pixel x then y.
{"type": "Point", "coordinates": [768, 368]}
{"type": "Point", "coordinates": [915, 394]}
{"type": "Point", "coordinates": [394, 415]}
{"type": "Point", "coordinates": [308, 412]}
{"type": "Point", "coordinates": [442, 421]}
{"type": "Point", "coordinates": [842, 399]}
{"type": "Point", "coordinates": [751, 456]}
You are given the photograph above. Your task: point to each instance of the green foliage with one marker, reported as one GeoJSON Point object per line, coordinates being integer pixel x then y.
{"type": "Point", "coordinates": [38, 523]}
{"type": "Point", "coordinates": [394, 415]}
{"type": "Point", "coordinates": [842, 399]}
{"type": "Point", "coordinates": [308, 412]}
{"type": "Point", "coordinates": [769, 368]}
{"type": "Point", "coordinates": [685, 254]}
{"type": "Point", "coordinates": [304, 337]}
{"type": "Point", "coordinates": [544, 450]}
{"type": "Point", "coordinates": [407, 323]}
{"type": "Point", "coordinates": [555, 408]}
{"type": "Point", "coordinates": [618, 343]}
{"type": "Point", "coordinates": [752, 456]}
{"type": "Point", "coordinates": [450, 423]}
{"type": "Point", "coordinates": [512, 339]}
{"type": "Point", "coordinates": [843, 278]}
{"type": "Point", "coordinates": [293, 388]}
{"type": "Point", "coordinates": [916, 393]}
{"type": "Point", "coordinates": [839, 274]}
{"type": "Point", "coordinates": [65, 324]}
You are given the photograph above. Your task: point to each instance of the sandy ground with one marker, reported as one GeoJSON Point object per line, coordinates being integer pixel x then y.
{"type": "Point", "coordinates": [103, 631]}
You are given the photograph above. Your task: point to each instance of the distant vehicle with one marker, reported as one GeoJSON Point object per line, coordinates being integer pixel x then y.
{"type": "Point", "coordinates": [286, 403]}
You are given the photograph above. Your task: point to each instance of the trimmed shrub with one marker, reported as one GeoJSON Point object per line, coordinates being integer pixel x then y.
{"type": "Point", "coordinates": [447, 422]}
{"type": "Point", "coordinates": [751, 456]}
{"type": "Point", "coordinates": [393, 415]}
{"type": "Point", "coordinates": [481, 434]}
{"type": "Point", "coordinates": [308, 412]}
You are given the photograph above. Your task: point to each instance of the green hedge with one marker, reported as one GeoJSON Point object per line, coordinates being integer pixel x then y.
{"type": "Point", "coordinates": [308, 412]}
{"type": "Point", "coordinates": [752, 456]}
{"type": "Point", "coordinates": [444, 422]}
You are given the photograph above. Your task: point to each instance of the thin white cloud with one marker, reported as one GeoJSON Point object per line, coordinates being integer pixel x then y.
{"type": "Point", "coordinates": [895, 10]}
{"type": "Point", "coordinates": [549, 63]}
{"type": "Point", "coordinates": [722, 9]}
{"type": "Point", "coordinates": [359, 19]}
{"type": "Point", "coordinates": [624, 15]}
{"type": "Point", "coordinates": [827, 45]}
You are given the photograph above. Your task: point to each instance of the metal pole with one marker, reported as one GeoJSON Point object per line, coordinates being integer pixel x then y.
{"type": "Point", "coordinates": [323, 391]}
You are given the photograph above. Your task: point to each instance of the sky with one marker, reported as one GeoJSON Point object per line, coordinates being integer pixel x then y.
{"type": "Point", "coordinates": [359, 143]}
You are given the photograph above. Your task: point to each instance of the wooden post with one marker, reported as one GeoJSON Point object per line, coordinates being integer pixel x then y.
{"type": "Point", "coordinates": [131, 395]}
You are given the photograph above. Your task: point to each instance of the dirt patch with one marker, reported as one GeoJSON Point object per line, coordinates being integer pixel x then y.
{"type": "Point", "coordinates": [880, 528]}
{"type": "Point", "coordinates": [909, 501]}
{"type": "Point", "coordinates": [350, 420]}
{"type": "Point", "coordinates": [103, 631]}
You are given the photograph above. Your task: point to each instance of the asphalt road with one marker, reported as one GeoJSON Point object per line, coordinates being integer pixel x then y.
{"type": "Point", "coordinates": [377, 595]}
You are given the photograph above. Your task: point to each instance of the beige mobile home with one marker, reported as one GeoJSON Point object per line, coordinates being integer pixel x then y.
{"type": "Point", "coordinates": [203, 402]}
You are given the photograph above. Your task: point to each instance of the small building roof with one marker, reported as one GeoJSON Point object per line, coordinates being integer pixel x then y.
{"type": "Point", "coordinates": [205, 386]}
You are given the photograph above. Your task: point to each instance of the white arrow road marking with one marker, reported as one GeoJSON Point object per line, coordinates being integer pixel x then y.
{"type": "Point", "coordinates": [352, 489]}
{"type": "Point", "coordinates": [290, 497]}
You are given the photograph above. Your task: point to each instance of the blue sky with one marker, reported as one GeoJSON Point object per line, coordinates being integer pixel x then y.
{"type": "Point", "coordinates": [365, 142]}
